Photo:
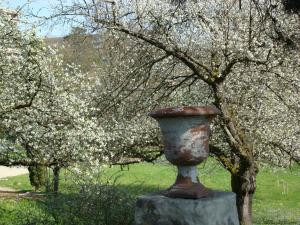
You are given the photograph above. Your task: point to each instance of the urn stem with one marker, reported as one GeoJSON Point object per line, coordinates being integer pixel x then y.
{"type": "Point", "coordinates": [188, 172]}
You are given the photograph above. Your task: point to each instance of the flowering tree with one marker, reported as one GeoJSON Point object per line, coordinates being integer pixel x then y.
{"type": "Point", "coordinates": [18, 62]}
{"type": "Point", "coordinates": [242, 54]}
{"type": "Point", "coordinates": [45, 109]}
{"type": "Point", "coordinates": [49, 114]}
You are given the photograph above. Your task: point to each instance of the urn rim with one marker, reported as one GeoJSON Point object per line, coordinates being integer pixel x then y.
{"type": "Point", "coordinates": [185, 111]}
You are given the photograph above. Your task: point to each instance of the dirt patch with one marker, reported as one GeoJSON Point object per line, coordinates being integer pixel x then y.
{"type": "Point", "coordinates": [6, 189]}
{"type": "Point", "coordinates": [8, 192]}
{"type": "Point", "coordinates": [11, 193]}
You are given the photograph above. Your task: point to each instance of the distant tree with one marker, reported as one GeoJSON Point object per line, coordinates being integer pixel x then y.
{"type": "Point", "coordinates": [77, 36]}
{"type": "Point", "coordinates": [80, 48]}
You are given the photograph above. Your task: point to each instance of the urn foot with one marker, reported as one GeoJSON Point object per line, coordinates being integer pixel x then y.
{"type": "Point", "coordinates": [194, 191]}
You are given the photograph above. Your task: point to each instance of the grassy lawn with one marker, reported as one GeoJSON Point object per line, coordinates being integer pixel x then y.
{"type": "Point", "coordinates": [20, 183]}
{"type": "Point", "coordinates": [276, 201]}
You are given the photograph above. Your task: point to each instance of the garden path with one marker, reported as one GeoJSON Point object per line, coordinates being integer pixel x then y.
{"type": "Point", "coordinates": [12, 171]}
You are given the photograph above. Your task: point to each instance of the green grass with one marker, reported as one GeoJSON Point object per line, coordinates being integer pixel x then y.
{"type": "Point", "coordinates": [145, 177]}
{"type": "Point", "coordinates": [276, 201]}
{"type": "Point", "coordinates": [20, 183]}
{"type": "Point", "coordinates": [278, 195]}
{"type": "Point", "coordinates": [23, 212]}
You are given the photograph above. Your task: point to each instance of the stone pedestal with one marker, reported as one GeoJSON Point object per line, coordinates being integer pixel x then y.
{"type": "Point", "coordinates": [156, 209]}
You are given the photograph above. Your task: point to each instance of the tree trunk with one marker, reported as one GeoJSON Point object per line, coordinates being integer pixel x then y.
{"type": "Point", "coordinates": [243, 183]}
{"type": "Point", "coordinates": [243, 176]}
{"type": "Point", "coordinates": [56, 170]}
{"type": "Point", "coordinates": [37, 176]}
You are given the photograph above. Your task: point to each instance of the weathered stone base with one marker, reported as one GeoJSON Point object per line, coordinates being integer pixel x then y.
{"type": "Point", "coordinates": [156, 209]}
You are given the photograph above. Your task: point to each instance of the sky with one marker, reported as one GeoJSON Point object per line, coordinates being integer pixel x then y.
{"type": "Point", "coordinates": [41, 8]}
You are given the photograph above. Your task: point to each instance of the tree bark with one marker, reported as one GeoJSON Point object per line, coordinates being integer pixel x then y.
{"type": "Point", "coordinates": [243, 183]}
{"type": "Point", "coordinates": [37, 176]}
{"type": "Point", "coordinates": [56, 171]}
{"type": "Point", "coordinates": [244, 170]}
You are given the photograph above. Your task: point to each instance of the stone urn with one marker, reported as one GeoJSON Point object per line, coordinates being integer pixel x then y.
{"type": "Point", "coordinates": [185, 133]}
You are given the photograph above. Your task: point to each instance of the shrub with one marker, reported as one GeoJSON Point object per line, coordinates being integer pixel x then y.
{"type": "Point", "coordinates": [94, 205]}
